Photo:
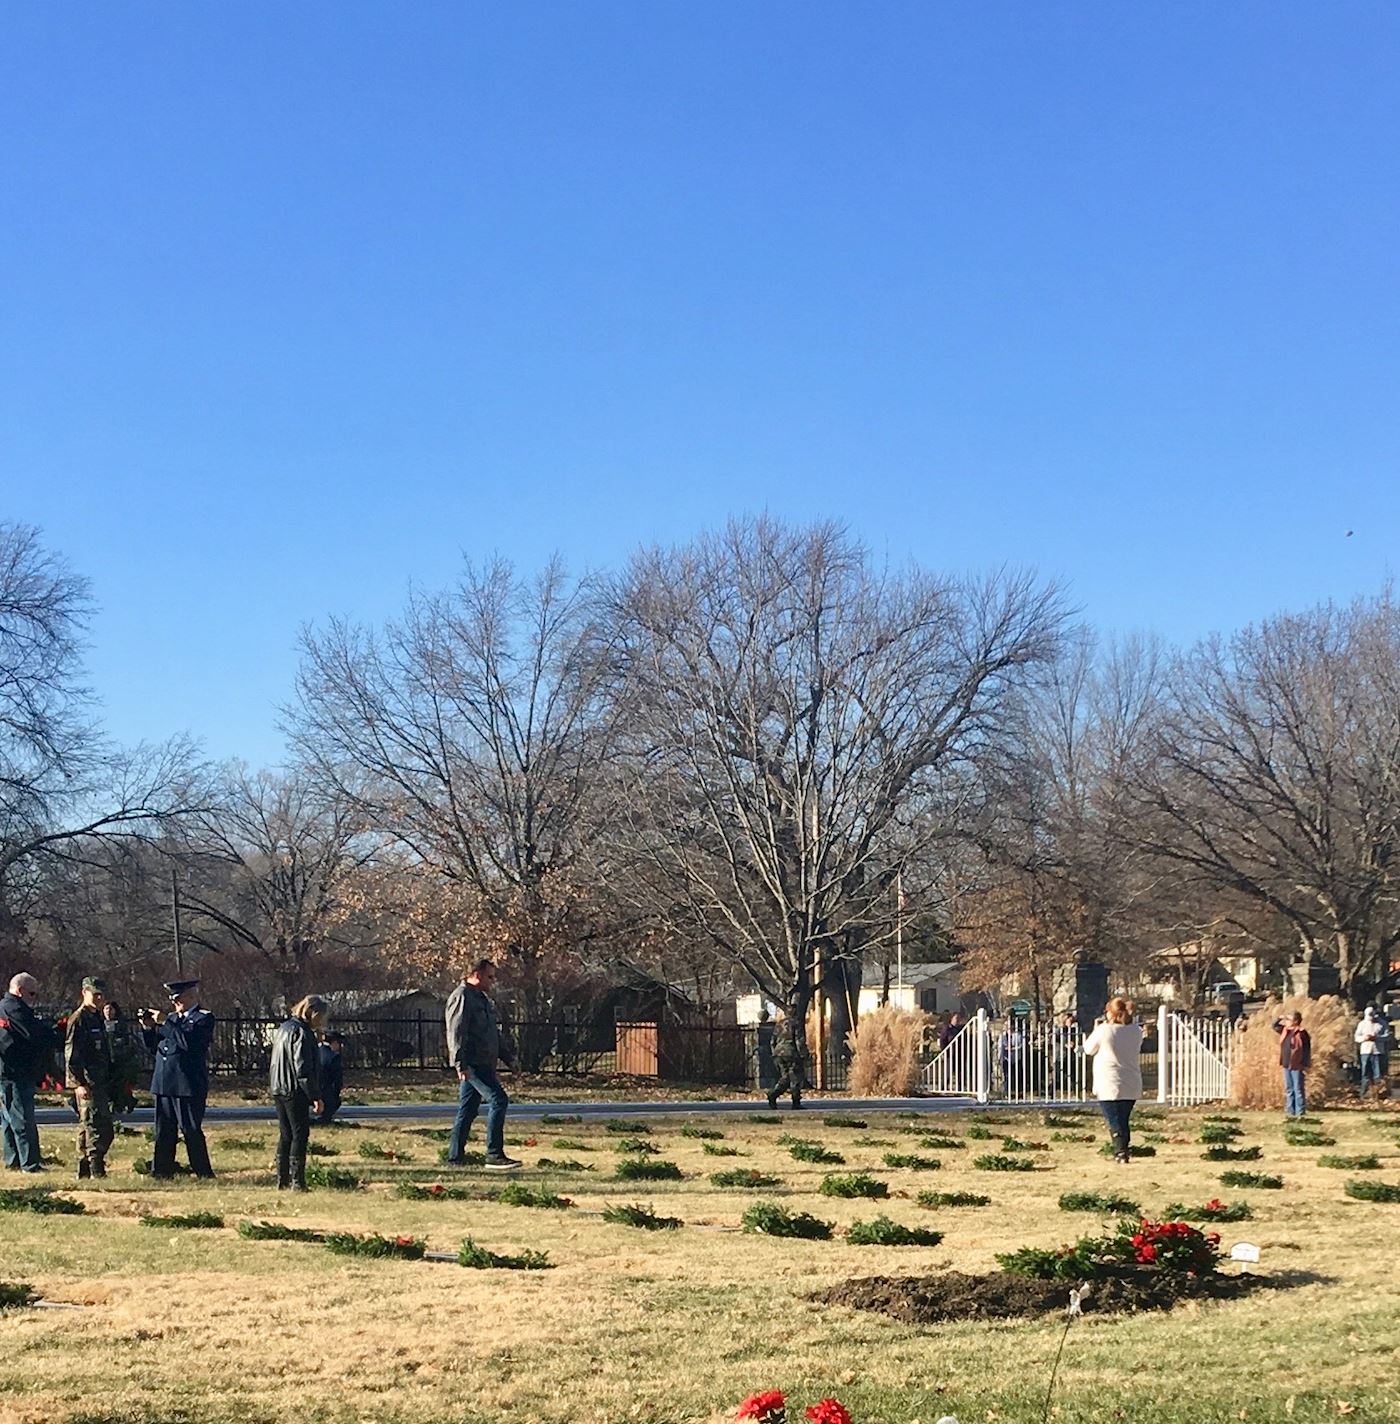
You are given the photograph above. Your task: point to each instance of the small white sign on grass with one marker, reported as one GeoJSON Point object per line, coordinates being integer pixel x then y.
{"type": "Point", "coordinates": [1246, 1253]}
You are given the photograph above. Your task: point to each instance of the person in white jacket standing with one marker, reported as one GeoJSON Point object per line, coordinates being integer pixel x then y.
{"type": "Point", "coordinates": [1370, 1037]}
{"type": "Point", "coordinates": [1115, 1045]}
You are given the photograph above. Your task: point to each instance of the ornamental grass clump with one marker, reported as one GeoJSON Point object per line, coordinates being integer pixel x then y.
{"type": "Point", "coordinates": [804, 1150]}
{"type": "Point", "coordinates": [885, 1047]}
{"type": "Point", "coordinates": [1103, 1202]}
{"type": "Point", "coordinates": [745, 1177]}
{"type": "Point", "coordinates": [912, 1162]}
{"type": "Point", "coordinates": [853, 1184]}
{"type": "Point", "coordinates": [192, 1221]}
{"type": "Point", "coordinates": [1262, 1180]}
{"type": "Point", "coordinates": [644, 1217]}
{"type": "Point", "coordinates": [478, 1258]}
{"type": "Point", "coordinates": [1255, 1080]}
{"type": "Point", "coordinates": [647, 1169]}
{"type": "Point", "coordinates": [518, 1194]}
{"type": "Point", "coordinates": [705, 1134]}
{"type": "Point", "coordinates": [376, 1247]}
{"type": "Point", "coordinates": [275, 1231]}
{"type": "Point", "coordinates": [1341, 1162]}
{"type": "Point", "coordinates": [771, 1219]}
{"type": "Point", "coordinates": [39, 1200]}
{"type": "Point", "coordinates": [1213, 1210]}
{"type": "Point", "coordinates": [884, 1232]}
{"type": "Point", "coordinates": [934, 1200]}
{"type": "Point", "coordinates": [1373, 1191]}
{"type": "Point", "coordinates": [1000, 1162]}
{"type": "Point", "coordinates": [334, 1179]}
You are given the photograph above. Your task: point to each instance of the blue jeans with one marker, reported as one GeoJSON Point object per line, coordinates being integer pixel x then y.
{"type": "Point", "coordinates": [1295, 1098]}
{"type": "Point", "coordinates": [1370, 1070]}
{"type": "Point", "coordinates": [1116, 1112]}
{"type": "Point", "coordinates": [480, 1084]}
{"type": "Point", "coordinates": [21, 1131]}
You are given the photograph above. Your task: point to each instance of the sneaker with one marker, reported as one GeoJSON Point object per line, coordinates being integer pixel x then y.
{"type": "Point", "coordinates": [503, 1164]}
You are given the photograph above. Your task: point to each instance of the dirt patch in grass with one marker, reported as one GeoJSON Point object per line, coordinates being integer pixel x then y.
{"type": "Point", "coordinates": [952, 1295]}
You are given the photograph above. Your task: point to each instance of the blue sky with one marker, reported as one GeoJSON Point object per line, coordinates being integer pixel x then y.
{"type": "Point", "coordinates": [301, 303]}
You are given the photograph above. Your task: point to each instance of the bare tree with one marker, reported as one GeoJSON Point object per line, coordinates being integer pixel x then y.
{"type": "Point", "coordinates": [799, 731]}
{"type": "Point", "coordinates": [470, 733]}
{"type": "Point", "coordinates": [272, 869]}
{"type": "Point", "coordinates": [1276, 781]}
{"type": "Point", "coordinates": [63, 789]}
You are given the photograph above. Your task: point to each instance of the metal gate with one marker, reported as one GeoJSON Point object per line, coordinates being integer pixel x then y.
{"type": "Point", "coordinates": [1039, 1061]}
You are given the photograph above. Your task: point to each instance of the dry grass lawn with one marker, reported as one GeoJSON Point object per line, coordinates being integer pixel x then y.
{"type": "Point", "coordinates": [186, 1326]}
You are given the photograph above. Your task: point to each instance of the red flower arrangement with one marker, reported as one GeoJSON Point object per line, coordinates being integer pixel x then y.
{"type": "Point", "coordinates": [767, 1407]}
{"type": "Point", "coordinates": [770, 1407]}
{"type": "Point", "coordinates": [828, 1411]}
{"type": "Point", "coordinates": [1175, 1246]}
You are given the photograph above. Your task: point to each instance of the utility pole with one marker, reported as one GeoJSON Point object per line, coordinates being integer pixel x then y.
{"type": "Point", "coordinates": [175, 917]}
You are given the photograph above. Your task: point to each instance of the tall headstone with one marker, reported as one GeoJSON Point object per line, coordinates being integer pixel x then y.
{"type": "Point", "coordinates": [1090, 993]}
{"type": "Point", "coordinates": [1310, 979]}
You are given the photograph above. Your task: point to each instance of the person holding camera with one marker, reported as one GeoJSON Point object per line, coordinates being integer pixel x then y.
{"type": "Point", "coordinates": [87, 1068]}
{"type": "Point", "coordinates": [180, 1041]}
{"type": "Point", "coordinates": [295, 1082]}
{"type": "Point", "coordinates": [1295, 1058]}
{"type": "Point", "coordinates": [1115, 1045]}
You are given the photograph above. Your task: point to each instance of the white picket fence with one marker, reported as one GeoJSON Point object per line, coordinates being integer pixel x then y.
{"type": "Point", "coordinates": [1024, 1061]}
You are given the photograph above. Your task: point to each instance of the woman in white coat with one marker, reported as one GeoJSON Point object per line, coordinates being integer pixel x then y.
{"type": "Point", "coordinates": [1115, 1045]}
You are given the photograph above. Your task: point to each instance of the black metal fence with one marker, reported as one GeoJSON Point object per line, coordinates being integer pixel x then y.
{"type": "Point", "coordinates": [719, 1054]}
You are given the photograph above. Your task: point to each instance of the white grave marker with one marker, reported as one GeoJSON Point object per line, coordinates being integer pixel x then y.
{"type": "Point", "coordinates": [1246, 1253]}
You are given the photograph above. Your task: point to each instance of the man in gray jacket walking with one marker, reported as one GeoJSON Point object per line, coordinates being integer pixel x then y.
{"type": "Point", "coordinates": [476, 1041]}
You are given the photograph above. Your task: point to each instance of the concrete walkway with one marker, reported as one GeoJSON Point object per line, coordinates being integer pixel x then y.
{"type": "Point", "coordinates": [445, 1112]}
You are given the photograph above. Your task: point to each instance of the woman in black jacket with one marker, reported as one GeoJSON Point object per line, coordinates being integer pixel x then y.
{"type": "Point", "coordinates": [295, 1082]}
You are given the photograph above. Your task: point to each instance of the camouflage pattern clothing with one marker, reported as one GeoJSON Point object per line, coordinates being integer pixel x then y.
{"type": "Point", "coordinates": [790, 1056]}
{"type": "Point", "coordinates": [88, 1065]}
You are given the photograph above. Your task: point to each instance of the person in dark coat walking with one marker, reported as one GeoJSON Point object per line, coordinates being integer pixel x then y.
{"type": "Point", "coordinates": [180, 1084]}
{"type": "Point", "coordinates": [476, 1042]}
{"type": "Point", "coordinates": [295, 1083]}
{"type": "Point", "coordinates": [87, 1069]}
{"type": "Point", "coordinates": [26, 1047]}
{"type": "Point", "coordinates": [332, 1077]}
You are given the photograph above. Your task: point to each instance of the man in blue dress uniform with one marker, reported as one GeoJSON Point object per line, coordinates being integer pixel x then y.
{"type": "Point", "coordinates": [180, 1084]}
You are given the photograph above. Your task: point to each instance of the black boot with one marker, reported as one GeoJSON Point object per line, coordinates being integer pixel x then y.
{"type": "Point", "coordinates": [298, 1174]}
{"type": "Point", "coordinates": [99, 1167]}
{"type": "Point", "coordinates": [84, 1169]}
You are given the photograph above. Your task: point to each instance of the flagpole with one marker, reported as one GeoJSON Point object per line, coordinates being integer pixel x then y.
{"type": "Point", "coordinates": [899, 924]}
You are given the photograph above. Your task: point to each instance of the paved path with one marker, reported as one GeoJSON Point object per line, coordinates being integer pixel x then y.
{"type": "Point", "coordinates": [419, 1112]}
